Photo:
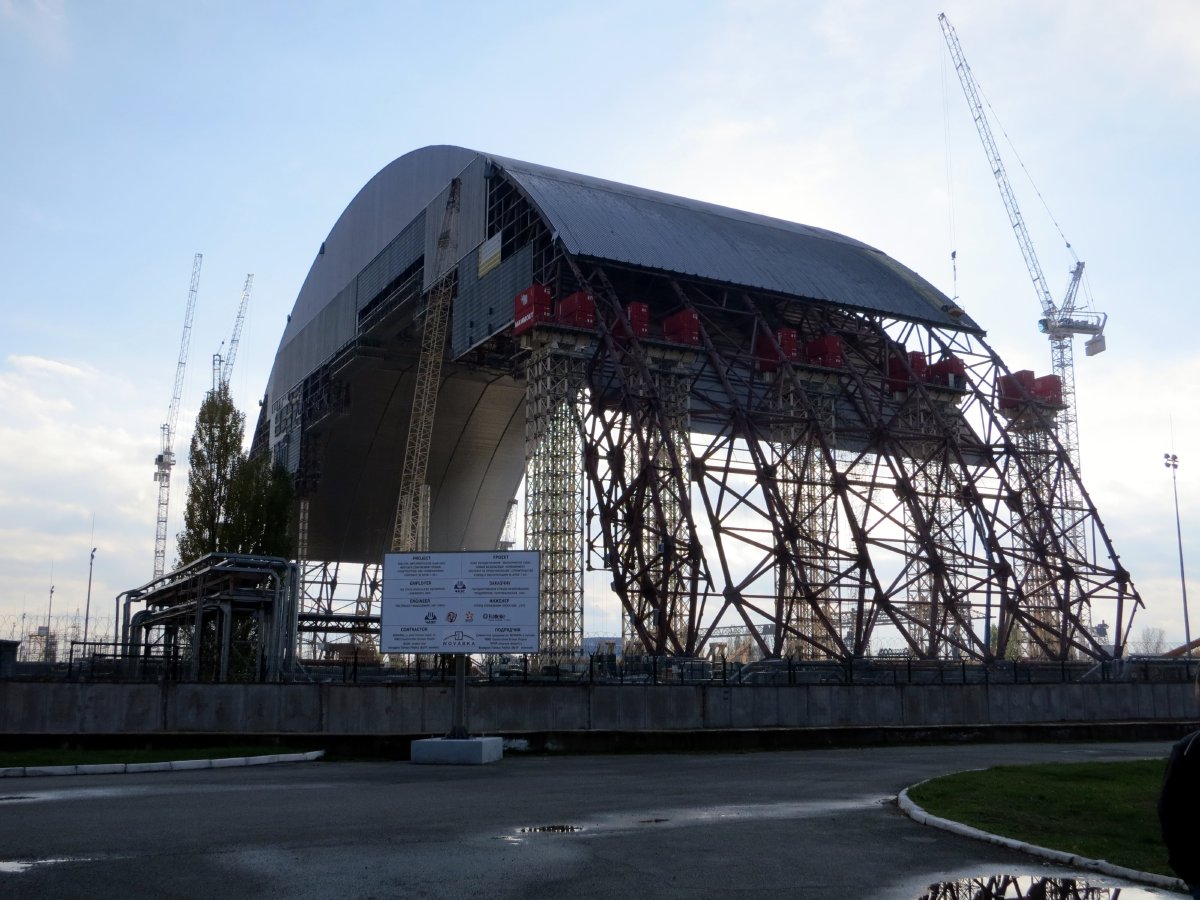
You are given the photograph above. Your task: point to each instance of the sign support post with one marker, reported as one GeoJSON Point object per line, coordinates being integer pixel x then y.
{"type": "Point", "coordinates": [458, 728]}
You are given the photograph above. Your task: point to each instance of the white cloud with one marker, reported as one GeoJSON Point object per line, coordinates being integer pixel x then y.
{"type": "Point", "coordinates": [44, 22]}
{"type": "Point", "coordinates": [74, 443]}
{"type": "Point", "coordinates": [50, 366]}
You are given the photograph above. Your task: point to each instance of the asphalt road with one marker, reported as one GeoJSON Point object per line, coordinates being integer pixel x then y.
{"type": "Point", "coordinates": [793, 824]}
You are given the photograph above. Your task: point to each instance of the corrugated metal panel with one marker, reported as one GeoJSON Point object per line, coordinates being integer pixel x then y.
{"type": "Point", "coordinates": [471, 220]}
{"type": "Point", "coordinates": [331, 329]}
{"type": "Point", "coordinates": [484, 306]}
{"type": "Point", "coordinates": [609, 221]}
{"type": "Point", "coordinates": [397, 256]}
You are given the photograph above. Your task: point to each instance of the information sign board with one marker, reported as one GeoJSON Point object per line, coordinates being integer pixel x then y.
{"type": "Point", "coordinates": [484, 602]}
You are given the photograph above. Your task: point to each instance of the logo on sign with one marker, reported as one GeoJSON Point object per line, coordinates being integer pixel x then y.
{"type": "Point", "coordinates": [459, 587]}
{"type": "Point", "coordinates": [430, 617]}
{"type": "Point", "coordinates": [470, 616]}
{"type": "Point", "coordinates": [458, 639]}
{"type": "Point", "coordinates": [451, 616]}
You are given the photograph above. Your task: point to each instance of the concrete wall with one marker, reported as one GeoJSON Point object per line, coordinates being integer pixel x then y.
{"type": "Point", "coordinates": [57, 708]}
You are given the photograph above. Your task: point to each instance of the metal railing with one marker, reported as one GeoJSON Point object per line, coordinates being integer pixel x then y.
{"type": "Point", "coordinates": [106, 661]}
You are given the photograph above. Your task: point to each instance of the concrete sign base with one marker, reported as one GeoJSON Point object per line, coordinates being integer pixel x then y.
{"type": "Point", "coordinates": [448, 752]}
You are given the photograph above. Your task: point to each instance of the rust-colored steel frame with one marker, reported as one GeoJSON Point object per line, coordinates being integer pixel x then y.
{"type": "Point", "coordinates": [933, 518]}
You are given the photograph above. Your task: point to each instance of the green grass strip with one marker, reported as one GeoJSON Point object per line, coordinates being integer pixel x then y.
{"type": "Point", "coordinates": [58, 757]}
{"type": "Point", "coordinates": [1096, 810]}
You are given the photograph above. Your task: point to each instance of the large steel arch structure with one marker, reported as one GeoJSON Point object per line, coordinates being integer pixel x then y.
{"type": "Point", "coordinates": [743, 421]}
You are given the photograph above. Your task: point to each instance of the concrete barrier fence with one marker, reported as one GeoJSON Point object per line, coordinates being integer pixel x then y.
{"type": "Point", "coordinates": [32, 708]}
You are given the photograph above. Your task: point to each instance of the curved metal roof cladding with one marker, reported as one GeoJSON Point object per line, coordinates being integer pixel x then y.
{"type": "Point", "coordinates": [632, 226]}
{"type": "Point", "coordinates": [615, 222]}
{"type": "Point", "coordinates": [378, 250]}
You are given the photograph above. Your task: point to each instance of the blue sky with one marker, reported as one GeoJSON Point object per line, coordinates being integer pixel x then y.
{"type": "Point", "coordinates": [136, 133]}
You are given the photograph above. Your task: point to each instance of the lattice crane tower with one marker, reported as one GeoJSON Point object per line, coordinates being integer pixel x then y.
{"type": "Point", "coordinates": [411, 531]}
{"type": "Point", "coordinates": [226, 369]}
{"type": "Point", "coordinates": [1059, 322]}
{"type": "Point", "coordinates": [165, 460]}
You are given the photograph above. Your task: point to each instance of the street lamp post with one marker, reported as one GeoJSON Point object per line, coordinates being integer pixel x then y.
{"type": "Point", "coordinates": [1171, 461]}
{"type": "Point", "coordinates": [48, 650]}
{"type": "Point", "coordinates": [87, 610]}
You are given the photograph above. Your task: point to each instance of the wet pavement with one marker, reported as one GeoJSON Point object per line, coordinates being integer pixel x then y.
{"type": "Point", "coordinates": [820, 823]}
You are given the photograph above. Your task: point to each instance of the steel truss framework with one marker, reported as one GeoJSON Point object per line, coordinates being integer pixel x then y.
{"type": "Point", "coordinates": [826, 511]}
{"type": "Point", "coordinates": [824, 508]}
{"type": "Point", "coordinates": [222, 617]}
{"type": "Point", "coordinates": [553, 488]}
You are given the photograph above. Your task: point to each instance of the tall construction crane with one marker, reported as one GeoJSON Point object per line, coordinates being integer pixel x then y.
{"type": "Point", "coordinates": [1060, 322]}
{"type": "Point", "coordinates": [411, 532]}
{"type": "Point", "coordinates": [223, 365]}
{"type": "Point", "coordinates": [165, 461]}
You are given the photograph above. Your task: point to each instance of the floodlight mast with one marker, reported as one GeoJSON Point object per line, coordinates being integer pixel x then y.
{"type": "Point", "coordinates": [165, 460]}
{"type": "Point", "coordinates": [1059, 322]}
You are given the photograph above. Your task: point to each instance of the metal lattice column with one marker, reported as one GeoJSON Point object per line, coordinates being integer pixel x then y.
{"type": "Point", "coordinates": [665, 535]}
{"type": "Point", "coordinates": [366, 605]}
{"type": "Point", "coordinates": [554, 488]}
{"type": "Point", "coordinates": [810, 512]}
{"type": "Point", "coordinates": [938, 599]}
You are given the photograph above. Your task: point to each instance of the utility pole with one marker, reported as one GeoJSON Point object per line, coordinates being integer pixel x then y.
{"type": "Point", "coordinates": [87, 610]}
{"type": "Point", "coordinates": [48, 649]}
{"type": "Point", "coordinates": [1171, 461]}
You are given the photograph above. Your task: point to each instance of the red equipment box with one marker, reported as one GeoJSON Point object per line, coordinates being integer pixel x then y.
{"type": "Point", "coordinates": [1048, 389]}
{"type": "Point", "coordinates": [826, 351]}
{"type": "Point", "coordinates": [949, 371]}
{"type": "Point", "coordinates": [899, 378]}
{"type": "Point", "coordinates": [577, 309]}
{"type": "Point", "coordinates": [682, 328]}
{"type": "Point", "coordinates": [1011, 386]}
{"type": "Point", "coordinates": [768, 357]}
{"type": "Point", "coordinates": [531, 306]}
{"type": "Point", "coordinates": [639, 318]}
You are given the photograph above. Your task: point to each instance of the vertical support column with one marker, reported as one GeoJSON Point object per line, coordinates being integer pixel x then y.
{"type": "Point", "coordinates": [367, 602]}
{"type": "Point", "coordinates": [664, 540]}
{"type": "Point", "coordinates": [1036, 571]}
{"type": "Point", "coordinates": [810, 520]}
{"type": "Point", "coordinates": [936, 595]}
{"type": "Point", "coordinates": [554, 492]}
{"type": "Point", "coordinates": [317, 584]}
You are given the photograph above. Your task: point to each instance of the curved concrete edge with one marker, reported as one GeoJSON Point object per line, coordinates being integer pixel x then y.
{"type": "Point", "coordinates": [917, 814]}
{"type": "Point", "coordinates": [180, 765]}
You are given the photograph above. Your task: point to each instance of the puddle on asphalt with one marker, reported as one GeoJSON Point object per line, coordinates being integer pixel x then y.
{"type": "Point", "coordinates": [1034, 887]}
{"type": "Point", "coordinates": [704, 816]}
{"type": "Point", "coordinates": [17, 866]}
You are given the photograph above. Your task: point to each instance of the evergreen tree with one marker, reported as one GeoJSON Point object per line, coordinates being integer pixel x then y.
{"type": "Point", "coordinates": [234, 504]}
{"type": "Point", "coordinates": [216, 451]}
{"type": "Point", "coordinates": [259, 507]}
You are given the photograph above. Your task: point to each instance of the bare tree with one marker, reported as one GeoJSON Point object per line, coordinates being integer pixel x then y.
{"type": "Point", "coordinates": [1153, 642]}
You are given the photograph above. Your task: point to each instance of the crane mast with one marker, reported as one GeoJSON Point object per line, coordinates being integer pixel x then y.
{"type": "Point", "coordinates": [1059, 322]}
{"type": "Point", "coordinates": [165, 460]}
{"type": "Point", "coordinates": [231, 353]}
{"type": "Point", "coordinates": [411, 531]}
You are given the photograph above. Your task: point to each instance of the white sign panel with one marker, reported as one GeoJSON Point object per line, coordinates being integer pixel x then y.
{"type": "Point", "coordinates": [460, 602]}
